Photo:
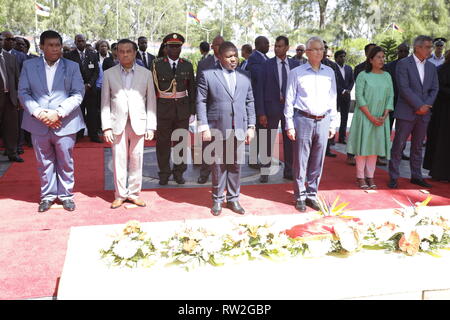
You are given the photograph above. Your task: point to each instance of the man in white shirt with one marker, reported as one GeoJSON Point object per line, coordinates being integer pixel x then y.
{"type": "Point", "coordinates": [310, 113]}
{"type": "Point", "coordinates": [51, 89]}
{"type": "Point", "coordinates": [128, 117]}
{"type": "Point", "coordinates": [418, 86]}
{"type": "Point", "coordinates": [143, 55]}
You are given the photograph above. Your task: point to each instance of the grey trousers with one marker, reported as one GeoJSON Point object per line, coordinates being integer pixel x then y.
{"type": "Point", "coordinates": [309, 148]}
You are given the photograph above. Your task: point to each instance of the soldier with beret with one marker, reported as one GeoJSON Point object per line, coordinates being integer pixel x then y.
{"type": "Point", "coordinates": [174, 82]}
{"type": "Point", "coordinates": [437, 58]}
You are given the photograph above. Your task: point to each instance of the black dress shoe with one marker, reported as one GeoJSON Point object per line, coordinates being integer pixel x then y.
{"type": "Point", "coordinates": [393, 184]}
{"type": "Point", "coordinates": [300, 205]}
{"type": "Point", "coordinates": [163, 181]}
{"type": "Point", "coordinates": [312, 204]}
{"type": "Point", "coordinates": [264, 178]}
{"type": "Point", "coordinates": [421, 182]}
{"type": "Point", "coordinates": [404, 157]}
{"type": "Point", "coordinates": [235, 207]}
{"type": "Point", "coordinates": [15, 159]}
{"type": "Point", "coordinates": [288, 177]}
{"type": "Point", "coordinates": [44, 205]}
{"type": "Point", "coordinates": [179, 179]}
{"type": "Point", "coordinates": [69, 205]}
{"type": "Point", "coordinates": [216, 209]}
{"type": "Point", "coordinates": [20, 151]}
{"type": "Point", "coordinates": [256, 166]}
{"type": "Point", "coordinates": [330, 154]}
{"type": "Point", "coordinates": [96, 139]}
{"type": "Point", "coordinates": [342, 142]}
{"type": "Point", "coordinates": [202, 180]}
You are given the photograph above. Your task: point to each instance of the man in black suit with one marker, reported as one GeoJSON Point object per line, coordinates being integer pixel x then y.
{"type": "Point", "coordinates": [204, 50]}
{"type": "Point", "coordinates": [344, 85]}
{"type": "Point", "coordinates": [391, 67]}
{"type": "Point", "coordinates": [112, 60]}
{"type": "Point", "coordinates": [142, 54]}
{"type": "Point", "coordinates": [88, 62]}
{"type": "Point", "coordinates": [9, 115]}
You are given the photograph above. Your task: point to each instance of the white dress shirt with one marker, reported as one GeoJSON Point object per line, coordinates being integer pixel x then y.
{"type": "Point", "coordinates": [280, 68]}
{"type": "Point", "coordinates": [311, 91]}
{"type": "Point", "coordinates": [342, 70]}
{"type": "Point", "coordinates": [127, 76]}
{"type": "Point", "coordinates": [420, 67]}
{"type": "Point", "coordinates": [172, 61]}
{"type": "Point", "coordinates": [50, 72]}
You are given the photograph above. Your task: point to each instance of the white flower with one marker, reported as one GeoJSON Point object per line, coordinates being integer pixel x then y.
{"type": "Point", "coordinates": [211, 244]}
{"type": "Point", "coordinates": [425, 232]}
{"type": "Point", "coordinates": [127, 248]}
{"type": "Point", "coordinates": [106, 243]}
{"type": "Point", "coordinates": [319, 247]}
{"type": "Point", "coordinates": [425, 245]}
{"type": "Point", "coordinates": [263, 232]}
{"type": "Point", "coordinates": [347, 236]}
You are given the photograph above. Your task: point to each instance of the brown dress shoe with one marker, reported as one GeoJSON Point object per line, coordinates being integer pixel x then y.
{"type": "Point", "coordinates": [116, 203]}
{"type": "Point", "coordinates": [138, 202]}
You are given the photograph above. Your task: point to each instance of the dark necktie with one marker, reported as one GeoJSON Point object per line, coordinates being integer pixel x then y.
{"type": "Point", "coordinates": [144, 59]}
{"type": "Point", "coordinates": [4, 73]}
{"type": "Point", "coordinates": [174, 67]}
{"type": "Point", "coordinates": [283, 78]}
{"type": "Point", "coordinates": [82, 56]}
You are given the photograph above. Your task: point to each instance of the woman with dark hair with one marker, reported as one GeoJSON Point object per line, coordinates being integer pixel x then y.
{"type": "Point", "coordinates": [370, 131]}
{"type": "Point", "coordinates": [437, 152]}
{"type": "Point", "coordinates": [111, 61]}
{"type": "Point", "coordinates": [162, 50]}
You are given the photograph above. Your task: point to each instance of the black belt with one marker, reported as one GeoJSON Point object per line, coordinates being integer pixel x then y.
{"type": "Point", "coordinates": [310, 116]}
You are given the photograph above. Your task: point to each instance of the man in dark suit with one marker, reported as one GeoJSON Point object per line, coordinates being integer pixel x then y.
{"type": "Point", "coordinates": [112, 60]}
{"type": "Point", "coordinates": [27, 49]}
{"type": "Point", "coordinates": [9, 115]}
{"type": "Point", "coordinates": [272, 87]}
{"type": "Point", "coordinates": [255, 65]}
{"type": "Point", "coordinates": [391, 67]}
{"type": "Point", "coordinates": [208, 63]}
{"type": "Point", "coordinates": [344, 85]}
{"type": "Point", "coordinates": [226, 112]}
{"type": "Point", "coordinates": [9, 44]}
{"type": "Point", "coordinates": [204, 50]}
{"type": "Point", "coordinates": [89, 69]}
{"type": "Point", "coordinates": [246, 51]}
{"type": "Point", "coordinates": [418, 86]}
{"type": "Point", "coordinates": [143, 55]}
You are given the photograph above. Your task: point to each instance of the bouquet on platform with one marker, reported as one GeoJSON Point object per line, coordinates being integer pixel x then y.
{"type": "Point", "coordinates": [130, 248]}
{"type": "Point", "coordinates": [411, 230]}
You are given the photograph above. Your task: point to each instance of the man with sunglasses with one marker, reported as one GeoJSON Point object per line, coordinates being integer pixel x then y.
{"type": "Point", "coordinates": [300, 52]}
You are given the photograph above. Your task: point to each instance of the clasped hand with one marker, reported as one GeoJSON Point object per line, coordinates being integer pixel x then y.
{"type": "Point", "coordinates": [50, 118]}
{"type": "Point", "coordinates": [423, 110]}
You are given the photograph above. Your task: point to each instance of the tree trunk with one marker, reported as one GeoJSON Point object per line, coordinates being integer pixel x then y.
{"type": "Point", "coordinates": [322, 11]}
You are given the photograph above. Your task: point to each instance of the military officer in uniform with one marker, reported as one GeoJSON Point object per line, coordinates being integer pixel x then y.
{"type": "Point", "coordinates": [174, 82]}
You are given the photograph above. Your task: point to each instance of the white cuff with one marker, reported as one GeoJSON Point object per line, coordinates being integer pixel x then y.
{"type": "Point", "coordinates": [203, 127]}
{"type": "Point", "coordinates": [37, 111]}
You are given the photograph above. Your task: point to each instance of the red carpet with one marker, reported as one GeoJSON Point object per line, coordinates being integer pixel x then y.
{"type": "Point", "coordinates": [33, 245]}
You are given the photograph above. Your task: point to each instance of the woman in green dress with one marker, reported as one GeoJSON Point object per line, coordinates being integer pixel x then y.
{"type": "Point", "coordinates": [370, 131]}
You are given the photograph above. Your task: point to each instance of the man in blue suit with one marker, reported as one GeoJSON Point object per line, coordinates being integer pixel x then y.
{"type": "Point", "coordinates": [272, 88]}
{"type": "Point", "coordinates": [209, 62]}
{"type": "Point", "coordinates": [344, 85]}
{"type": "Point", "coordinates": [418, 86]}
{"type": "Point", "coordinates": [51, 89]}
{"type": "Point", "coordinates": [255, 66]}
{"type": "Point", "coordinates": [226, 112]}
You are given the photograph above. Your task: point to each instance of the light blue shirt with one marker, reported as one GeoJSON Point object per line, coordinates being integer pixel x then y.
{"type": "Point", "coordinates": [311, 91]}
{"type": "Point", "coordinates": [436, 61]}
{"type": "Point", "coordinates": [230, 78]}
{"type": "Point", "coordinates": [127, 76]}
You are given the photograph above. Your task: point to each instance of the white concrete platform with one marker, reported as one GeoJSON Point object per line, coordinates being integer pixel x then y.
{"type": "Point", "coordinates": [364, 275]}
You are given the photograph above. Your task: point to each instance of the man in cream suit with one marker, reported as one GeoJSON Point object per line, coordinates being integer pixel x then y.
{"type": "Point", "coordinates": [128, 117]}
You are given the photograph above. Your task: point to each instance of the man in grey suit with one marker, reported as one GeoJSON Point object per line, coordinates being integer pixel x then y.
{"type": "Point", "coordinates": [9, 115]}
{"type": "Point", "coordinates": [208, 63]}
{"type": "Point", "coordinates": [418, 86]}
{"type": "Point", "coordinates": [269, 110]}
{"type": "Point", "coordinates": [226, 113]}
{"type": "Point", "coordinates": [51, 89]}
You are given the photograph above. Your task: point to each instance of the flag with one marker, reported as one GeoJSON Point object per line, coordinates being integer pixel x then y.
{"type": "Point", "coordinates": [191, 15]}
{"type": "Point", "coordinates": [42, 10]}
{"type": "Point", "coordinates": [396, 27]}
